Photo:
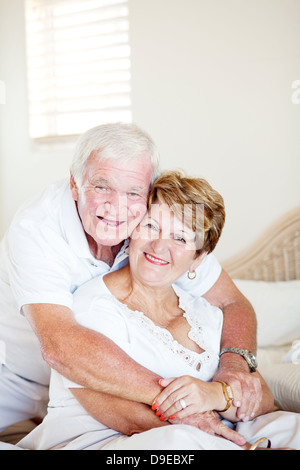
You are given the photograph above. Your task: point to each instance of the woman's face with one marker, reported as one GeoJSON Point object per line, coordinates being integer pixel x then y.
{"type": "Point", "coordinates": [162, 248]}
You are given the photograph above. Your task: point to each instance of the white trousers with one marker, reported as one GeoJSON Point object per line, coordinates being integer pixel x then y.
{"type": "Point", "coordinates": [282, 428]}
{"type": "Point", "coordinates": [176, 437]}
{"type": "Point", "coordinates": [20, 399]}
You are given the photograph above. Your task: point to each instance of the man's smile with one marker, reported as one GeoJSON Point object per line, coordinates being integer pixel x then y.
{"type": "Point", "coordinates": [111, 223]}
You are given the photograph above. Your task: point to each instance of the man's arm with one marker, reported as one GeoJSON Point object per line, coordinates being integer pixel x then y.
{"type": "Point", "coordinates": [239, 330]}
{"type": "Point", "coordinates": [130, 418]}
{"type": "Point", "coordinates": [87, 357]}
{"type": "Point", "coordinates": [240, 324]}
{"type": "Point", "coordinates": [122, 415]}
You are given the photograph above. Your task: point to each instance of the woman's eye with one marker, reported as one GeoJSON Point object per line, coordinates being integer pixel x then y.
{"type": "Point", "coordinates": [151, 226]}
{"type": "Point", "coordinates": [179, 239]}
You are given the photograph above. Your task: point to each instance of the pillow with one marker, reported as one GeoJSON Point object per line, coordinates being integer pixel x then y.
{"type": "Point", "coordinates": [277, 307]}
{"type": "Point", "coordinates": [284, 382]}
{"type": "Point", "coordinates": [294, 353]}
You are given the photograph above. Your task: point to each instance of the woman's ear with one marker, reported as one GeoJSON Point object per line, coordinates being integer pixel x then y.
{"type": "Point", "coordinates": [74, 189]}
{"type": "Point", "coordinates": [197, 261]}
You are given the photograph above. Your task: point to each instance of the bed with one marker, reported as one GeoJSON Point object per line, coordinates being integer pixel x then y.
{"type": "Point", "coordinates": [268, 274]}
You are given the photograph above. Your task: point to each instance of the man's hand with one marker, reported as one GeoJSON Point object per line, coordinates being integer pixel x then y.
{"type": "Point", "coordinates": [239, 330]}
{"type": "Point", "coordinates": [208, 422]}
{"type": "Point", "coordinates": [246, 388]}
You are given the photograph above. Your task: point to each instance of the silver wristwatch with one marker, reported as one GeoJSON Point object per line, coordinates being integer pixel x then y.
{"type": "Point", "coordinates": [247, 355]}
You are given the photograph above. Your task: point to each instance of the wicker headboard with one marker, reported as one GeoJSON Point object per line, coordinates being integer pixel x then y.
{"type": "Point", "coordinates": [274, 257]}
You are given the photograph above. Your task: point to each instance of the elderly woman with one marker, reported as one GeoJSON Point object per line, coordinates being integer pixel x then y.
{"type": "Point", "coordinates": [144, 310]}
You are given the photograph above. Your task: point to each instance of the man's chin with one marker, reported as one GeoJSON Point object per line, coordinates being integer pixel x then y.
{"type": "Point", "coordinates": [112, 236]}
{"type": "Point", "coordinates": [111, 239]}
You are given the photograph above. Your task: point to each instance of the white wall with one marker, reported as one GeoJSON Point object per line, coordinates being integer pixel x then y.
{"type": "Point", "coordinates": [212, 85]}
{"type": "Point", "coordinates": [25, 169]}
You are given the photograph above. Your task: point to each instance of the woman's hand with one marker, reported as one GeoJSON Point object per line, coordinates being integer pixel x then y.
{"type": "Point", "coordinates": [185, 396]}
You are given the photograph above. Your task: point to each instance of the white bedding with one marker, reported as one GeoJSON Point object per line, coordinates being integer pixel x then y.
{"type": "Point", "coordinates": [277, 306]}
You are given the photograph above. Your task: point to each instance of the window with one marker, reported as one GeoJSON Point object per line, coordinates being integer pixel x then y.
{"type": "Point", "coordinates": [78, 62]}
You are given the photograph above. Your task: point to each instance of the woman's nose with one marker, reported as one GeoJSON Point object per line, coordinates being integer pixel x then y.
{"type": "Point", "coordinates": [160, 244]}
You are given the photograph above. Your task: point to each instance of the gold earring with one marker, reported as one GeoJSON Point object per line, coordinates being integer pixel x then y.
{"type": "Point", "coordinates": [194, 274]}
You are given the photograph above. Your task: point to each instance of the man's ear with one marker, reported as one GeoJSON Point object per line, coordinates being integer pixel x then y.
{"type": "Point", "coordinates": [74, 189]}
{"type": "Point", "coordinates": [197, 261]}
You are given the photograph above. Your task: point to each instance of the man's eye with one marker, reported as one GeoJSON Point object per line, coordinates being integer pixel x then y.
{"type": "Point", "coordinates": [134, 195]}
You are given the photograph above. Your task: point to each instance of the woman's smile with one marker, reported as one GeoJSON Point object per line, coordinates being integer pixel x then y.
{"type": "Point", "coordinates": [154, 260]}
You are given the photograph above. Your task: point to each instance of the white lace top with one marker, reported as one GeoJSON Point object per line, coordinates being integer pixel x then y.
{"type": "Point", "coordinates": [150, 345]}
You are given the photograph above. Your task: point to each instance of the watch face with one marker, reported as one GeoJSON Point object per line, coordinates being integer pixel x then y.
{"type": "Point", "coordinates": [253, 359]}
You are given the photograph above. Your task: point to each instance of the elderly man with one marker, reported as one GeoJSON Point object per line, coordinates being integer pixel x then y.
{"type": "Point", "coordinates": [70, 234]}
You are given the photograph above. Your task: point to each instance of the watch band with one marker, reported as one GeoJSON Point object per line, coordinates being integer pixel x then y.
{"type": "Point", "coordinates": [247, 355]}
{"type": "Point", "coordinates": [227, 394]}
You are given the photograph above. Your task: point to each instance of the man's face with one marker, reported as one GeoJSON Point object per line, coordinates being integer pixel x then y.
{"type": "Point", "coordinates": [112, 198]}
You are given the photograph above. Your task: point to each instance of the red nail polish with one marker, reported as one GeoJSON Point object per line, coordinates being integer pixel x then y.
{"type": "Point", "coordinates": [154, 406]}
{"type": "Point", "coordinates": [158, 413]}
{"type": "Point", "coordinates": [162, 418]}
{"type": "Point", "coordinates": [172, 417]}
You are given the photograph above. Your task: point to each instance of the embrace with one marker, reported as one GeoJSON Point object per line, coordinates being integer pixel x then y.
{"type": "Point", "coordinates": [111, 282]}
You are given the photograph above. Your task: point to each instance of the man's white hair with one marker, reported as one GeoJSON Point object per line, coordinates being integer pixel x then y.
{"type": "Point", "coordinates": [114, 141]}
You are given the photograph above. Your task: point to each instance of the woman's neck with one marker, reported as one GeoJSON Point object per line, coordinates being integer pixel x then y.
{"type": "Point", "coordinates": [159, 304]}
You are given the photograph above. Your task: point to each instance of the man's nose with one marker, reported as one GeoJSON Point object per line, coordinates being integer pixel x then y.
{"type": "Point", "coordinates": [116, 204]}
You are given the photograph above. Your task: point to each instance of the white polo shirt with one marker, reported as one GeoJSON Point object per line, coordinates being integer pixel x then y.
{"type": "Point", "coordinates": [44, 257]}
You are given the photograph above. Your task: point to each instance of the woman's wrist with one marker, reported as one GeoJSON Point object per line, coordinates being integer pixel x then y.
{"type": "Point", "coordinates": [220, 399]}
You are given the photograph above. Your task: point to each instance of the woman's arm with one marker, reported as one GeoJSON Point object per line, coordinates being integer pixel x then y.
{"type": "Point", "coordinates": [202, 396]}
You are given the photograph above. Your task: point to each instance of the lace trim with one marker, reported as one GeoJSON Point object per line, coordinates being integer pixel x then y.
{"type": "Point", "coordinates": [197, 334]}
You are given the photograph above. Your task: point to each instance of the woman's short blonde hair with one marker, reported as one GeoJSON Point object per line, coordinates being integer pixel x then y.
{"type": "Point", "coordinates": [194, 199]}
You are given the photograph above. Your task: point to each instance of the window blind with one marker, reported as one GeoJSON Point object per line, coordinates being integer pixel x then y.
{"type": "Point", "coordinates": [78, 63]}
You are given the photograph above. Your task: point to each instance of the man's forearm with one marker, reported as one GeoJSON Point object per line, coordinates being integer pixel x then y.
{"type": "Point", "coordinates": [89, 358]}
{"type": "Point", "coordinates": [239, 327]}
{"type": "Point", "coordinates": [124, 416]}
{"type": "Point", "coordinates": [110, 371]}
{"type": "Point", "coordinates": [239, 319]}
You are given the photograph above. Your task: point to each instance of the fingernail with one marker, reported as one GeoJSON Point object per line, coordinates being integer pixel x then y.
{"type": "Point", "coordinates": [154, 406]}
{"type": "Point", "coordinates": [237, 404]}
{"type": "Point", "coordinates": [246, 419]}
{"type": "Point", "coordinates": [241, 416]}
{"type": "Point", "coordinates": [158, 413]}
{"type": "Point", "coordinates": [162, 418]}
{"type": "Point", "coordinates": [172, 417]}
